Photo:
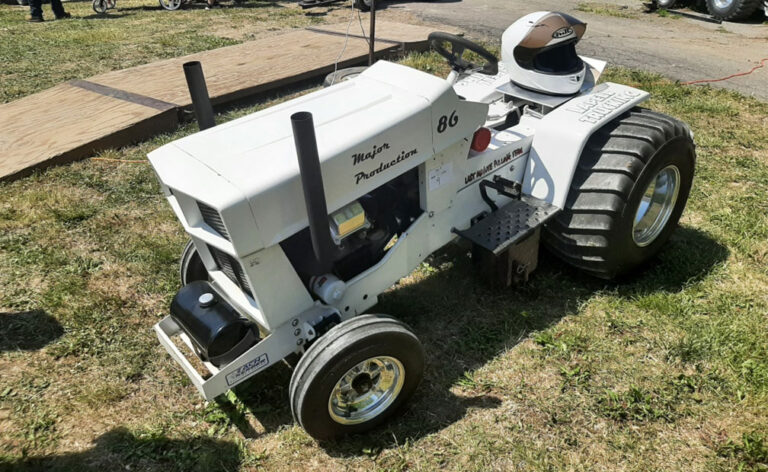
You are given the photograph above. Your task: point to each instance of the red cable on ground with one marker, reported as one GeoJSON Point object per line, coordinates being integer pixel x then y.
{"type": "Point", "coordinates": [740, 74]}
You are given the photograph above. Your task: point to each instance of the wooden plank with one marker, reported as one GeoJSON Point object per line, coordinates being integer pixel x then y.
{"type": "Point", "coordinates": [66, 123]}
{"type": "Point", "coordinates": [234, 72]}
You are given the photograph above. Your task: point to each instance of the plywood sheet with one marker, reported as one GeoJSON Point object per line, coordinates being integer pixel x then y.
{"type": "Point", "coordinates": [66, 122]}
{"type": "Point", "coordinates": [244, 69]}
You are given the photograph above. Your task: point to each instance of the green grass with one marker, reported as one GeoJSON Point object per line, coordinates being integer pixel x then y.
{"type": "Point", "coordinates": [39, 56]}
{"type": "Point", "coordinates": [665, 370]}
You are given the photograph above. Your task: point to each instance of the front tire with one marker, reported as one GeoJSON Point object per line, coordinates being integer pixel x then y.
{"type": "Point", "coordinates": [356, 376]}
{"type": "Point", "coordinates": [629, 190]}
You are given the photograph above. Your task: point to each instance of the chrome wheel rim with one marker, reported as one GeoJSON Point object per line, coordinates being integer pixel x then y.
{"type": "Point", "coordinates": [656, 206]}
{"type": "Point", "coordinates": [723, 4]}
{"type": "Point", "coordinates": [170, 4]}
{"type": "Point", "coordinates": [366, 390]}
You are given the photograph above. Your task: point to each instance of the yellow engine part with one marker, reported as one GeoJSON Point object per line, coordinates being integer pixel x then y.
{"type": "Point", "coordinates": [348, 219]}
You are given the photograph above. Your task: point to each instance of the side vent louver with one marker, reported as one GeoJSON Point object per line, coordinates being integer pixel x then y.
{"type": "Point", "coordinates": [213, 219]}
{"type": "Point", "coordinates": [231, 268]}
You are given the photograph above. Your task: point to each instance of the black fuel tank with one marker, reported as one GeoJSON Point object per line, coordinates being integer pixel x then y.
{"type": "Point", "coordinates": [216, 329]}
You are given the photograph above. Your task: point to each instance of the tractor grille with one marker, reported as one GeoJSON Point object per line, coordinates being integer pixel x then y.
{"type": "Point", "coordinates": [231, 268]}
{"type": "Point", "coordinates": [213, 219]}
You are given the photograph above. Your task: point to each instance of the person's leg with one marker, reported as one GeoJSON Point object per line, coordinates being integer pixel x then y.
{"type": "Point", "coordinates": [35, 9]}
{"type": "Point", "coordinates": [58, 9]}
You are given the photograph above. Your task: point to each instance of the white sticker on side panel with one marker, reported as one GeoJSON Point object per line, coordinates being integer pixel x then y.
{"type": "Point", "coordinates": [440, 176]}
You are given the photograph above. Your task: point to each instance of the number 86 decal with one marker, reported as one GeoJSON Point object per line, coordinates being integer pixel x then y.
{"type": "Point", "coordinates": [445, 122]}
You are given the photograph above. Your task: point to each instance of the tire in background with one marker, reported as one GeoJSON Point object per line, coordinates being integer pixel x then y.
{"type": "Point", "coordinates": [343, 74]}
{"type": "Point", "coordinates": [329, 359]}
{"type": "Point", "coordinates": [595, 231]}
{"type": "Point", "coordinates": [732, 10]}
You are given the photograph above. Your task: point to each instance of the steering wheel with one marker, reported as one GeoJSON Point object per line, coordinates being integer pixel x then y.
{"type": "Point", "coordinates": [458, 46]}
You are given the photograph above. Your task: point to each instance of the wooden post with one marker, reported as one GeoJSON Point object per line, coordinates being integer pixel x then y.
{"type": "Point", "coordinates": [373, 33]}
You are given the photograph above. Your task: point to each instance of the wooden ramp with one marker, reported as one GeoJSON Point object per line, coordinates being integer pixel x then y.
{"type": "Point", "coordinates": [72, 121]}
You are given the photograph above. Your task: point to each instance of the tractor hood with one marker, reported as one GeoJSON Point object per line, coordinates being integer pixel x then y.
{"type": "Point", "coordinates": [369, 130]}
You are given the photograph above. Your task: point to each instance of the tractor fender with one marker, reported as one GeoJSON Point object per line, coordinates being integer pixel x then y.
{"type": "Point", "coordinates": [560, 137]}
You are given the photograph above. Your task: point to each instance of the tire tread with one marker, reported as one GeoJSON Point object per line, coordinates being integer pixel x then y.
{"type": "Point", "coordinates": [612, 161]}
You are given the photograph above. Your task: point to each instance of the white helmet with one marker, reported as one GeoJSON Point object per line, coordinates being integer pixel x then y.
{"type": "Point", "coordinates": [539, 53]}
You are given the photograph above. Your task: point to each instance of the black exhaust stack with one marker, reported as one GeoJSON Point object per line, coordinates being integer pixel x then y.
{"type": "Point", "coordinates": [314, 193]}
{"type": "Point", "coordinates": [201, 102]}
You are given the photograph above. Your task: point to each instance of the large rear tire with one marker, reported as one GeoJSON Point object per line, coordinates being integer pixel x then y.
{"type": "Point", "coordinates": [629, 190]}
{"type": "Point", "coordinates": [732, 10]}
{"type": "Point", "coordinates": [355, 376]}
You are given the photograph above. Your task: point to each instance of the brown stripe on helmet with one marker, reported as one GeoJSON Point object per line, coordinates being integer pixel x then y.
{"type": "Point", "coordinates": [553, 28]}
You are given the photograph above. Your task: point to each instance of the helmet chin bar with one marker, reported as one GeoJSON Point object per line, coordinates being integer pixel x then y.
{"type": "Point", "coordinates": [550, 84]}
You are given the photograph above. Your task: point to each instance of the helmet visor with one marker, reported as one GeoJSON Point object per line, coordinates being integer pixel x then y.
{"type": "Point", "coordinates": [558, 60]}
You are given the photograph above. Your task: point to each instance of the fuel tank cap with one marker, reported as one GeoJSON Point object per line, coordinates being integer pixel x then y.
{"type": "Point", "coordinates": [206, 300]}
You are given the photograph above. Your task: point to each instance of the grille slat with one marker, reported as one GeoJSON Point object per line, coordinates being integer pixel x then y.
{"type": "Point", "coordinates": [213, 219]}
{"type": "Point", "coordinates": [231, 268]}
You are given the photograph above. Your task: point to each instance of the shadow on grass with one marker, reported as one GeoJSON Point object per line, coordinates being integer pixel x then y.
{"type": "Point", "coordinates": [120, 449]}
{"type": "Point", "coordinates": [689, 256]}
{"type": "Point", "coordinates": [28, 330]}
{"type": "Point", "coordinates": [463, 325]}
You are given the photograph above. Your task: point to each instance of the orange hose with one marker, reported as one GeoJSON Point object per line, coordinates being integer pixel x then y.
{"type": "Point", "coordinates": [740, 74]}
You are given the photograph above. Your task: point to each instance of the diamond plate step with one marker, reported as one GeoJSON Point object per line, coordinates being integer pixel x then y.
{"type": "Point", "coordinates": [509, 224]}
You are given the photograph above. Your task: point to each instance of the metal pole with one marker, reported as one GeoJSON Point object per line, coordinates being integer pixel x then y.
{"type": "Point", "coordinates": [373, 33]}
{"type": "Point", "coordinates": [312, 185]}
{"type": "Point", "coordinates": [198, 91]}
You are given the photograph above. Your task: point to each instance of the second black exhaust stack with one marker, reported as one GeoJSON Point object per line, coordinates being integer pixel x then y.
{"type": "Point", "coordinates": [198, 91]}
{"type": "Point", "coordinates": [314, 193]}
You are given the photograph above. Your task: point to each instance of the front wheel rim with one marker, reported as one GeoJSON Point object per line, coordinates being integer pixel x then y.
{"type": "Point", "coordinates": [366, 390]}
{"type": "Point", "coordinates": [656, 206]}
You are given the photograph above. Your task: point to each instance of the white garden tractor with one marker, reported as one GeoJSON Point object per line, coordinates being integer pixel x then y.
{"type": "Point", "coordinates": [302, 214]}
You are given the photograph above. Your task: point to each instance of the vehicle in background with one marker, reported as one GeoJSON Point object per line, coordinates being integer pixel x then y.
{"type": "Point", "coordinates": [726, 10]}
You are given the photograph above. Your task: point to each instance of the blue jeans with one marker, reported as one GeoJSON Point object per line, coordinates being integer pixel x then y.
{"type": "Point", "coordinates": [36, 8]}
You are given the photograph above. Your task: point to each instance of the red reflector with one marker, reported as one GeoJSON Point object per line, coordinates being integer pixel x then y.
{"type": "Point", "coordinates": [481, 140]}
